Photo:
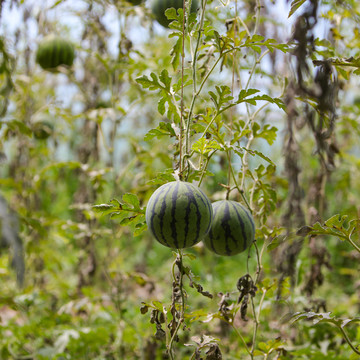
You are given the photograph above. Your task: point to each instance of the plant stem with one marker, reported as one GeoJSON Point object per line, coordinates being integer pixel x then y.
{"type": "Point", "coordinates": [353, 348]}
{"type": "Point", "coordinates": [228, 153]}
{"type": "Point", "coordinates": [256, 319]}
{"type": "Point", "coordinates": [205, 167]}
{"type": "Point", "coordinates": [195, 93]}
{"type": "Point", "coordinates": [182, 88]}
{"type": "Point", "coordinates": [357, 248]}
{"type": "Point", "coordinates": [242, 339]}
{"type": "Point", "coordinates": [179, 263]}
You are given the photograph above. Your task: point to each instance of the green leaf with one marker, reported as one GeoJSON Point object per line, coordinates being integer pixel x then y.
{"type": "Point", "coordinates": [153, 83]}
{"type": "Point", "coordinates": [164, 129]}
{"type": "Point", "coordinates": [256, 38]}
{"type": "Point", "coordinates": [268, 132]}
{"type": "Point", "coordinates": [102, 207]}
{"type": "Point", "coordinates": [176, 53]}
{"type": "Point", "coordinates": [147, 83]}
{"type": "Point", "coordinates": [258, 353]}
{"type": "Point", "coordinates": [165, 79]}
{"type": "Point", "coordinates": [132, 200]}
{"type": "Point", "coordinates": [336, 221]}
{"type": "Point", "coordinates": [171, 13]}
{"type": "Point", "coordinates": [17, 125]}
{"type": "Point", "coordinates": [268, 98]}
{"type": "Point", "coordinates": [223, 96]}
{"type": "Point", "coordinates": [275, 243]}
{"type": "Point", "coordinates": [295, 5]}
{"type": "Point", "coordinates": [204, 146]}
{"type": "Point", "coordinates": [246, 93]}
{"type": "Point", "coordinates": [258, 153]}
{"type": "Point", "coordinates": [139, 228]}
{"type": "Point", "coordinates": [157, 305]}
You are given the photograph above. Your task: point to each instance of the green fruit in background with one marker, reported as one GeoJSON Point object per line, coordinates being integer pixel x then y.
{"type": "Point", "coordinates": [179, 214]}
{"type": "Point", "coordinates": [42, 129]}
{"type": "Point", "coordinates": [135, 2]}
{"type": "Point", "coordinates": [232, 229]}
{"type": "Point", "coordinates": [158, 8]}
{"type": "Point", "coordinates": [54, 51]}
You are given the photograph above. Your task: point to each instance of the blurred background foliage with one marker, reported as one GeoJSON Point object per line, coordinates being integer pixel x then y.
{"type": "Point", "coordinates": [86, 276]}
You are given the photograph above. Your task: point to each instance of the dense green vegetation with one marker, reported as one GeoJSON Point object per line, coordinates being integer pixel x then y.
{"type": "Point", "coordinates": [251, 101]}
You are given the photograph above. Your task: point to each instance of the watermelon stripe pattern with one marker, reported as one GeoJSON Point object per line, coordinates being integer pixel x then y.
{"type": "Point", "coordinates": [179, 215]}
{"type": "Point", "coordinates": [54, 51]}
{"type": "Point", "coordinates": [232, 230]}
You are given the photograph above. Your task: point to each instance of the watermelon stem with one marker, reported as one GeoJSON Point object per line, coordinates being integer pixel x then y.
{"type": "Point", "coordinates": [241, 337]}
{"type": "Point", "coordinates": [178, 287]}
{"type": "Point", "coordinates": [194, 72]}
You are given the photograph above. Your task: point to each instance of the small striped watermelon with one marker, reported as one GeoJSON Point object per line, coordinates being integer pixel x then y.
{"type": "Point", "coordinates": [54, 51]}
{"type": "Point", "coordinates": [179, 214]}
{"type": "Point", "coordinates": [232, 229]}
{"type": "Point", "coordinates": [42, 129]}
{"type": "Point", "coordinates": [158, 8]}
{"type": "Point", "coordinates": [135, 2]}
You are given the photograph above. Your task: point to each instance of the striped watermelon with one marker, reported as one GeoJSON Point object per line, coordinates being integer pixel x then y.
{"type": "Point", "coordinates": [54, 51]}
{"type": "Point", "coordinates": [179, 214]}
{"type": "Point", "coordinates": [42, 129]}
{"type": "Point", "coordinates": [135, 2]}
{"type": "Point", "coordinates": [158, 8]}
{"type": "Point", "coordinates": [232, 229]}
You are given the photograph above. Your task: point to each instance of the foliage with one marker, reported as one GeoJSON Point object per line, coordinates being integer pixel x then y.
{"type": "Point", "coordinates": [233, 99]}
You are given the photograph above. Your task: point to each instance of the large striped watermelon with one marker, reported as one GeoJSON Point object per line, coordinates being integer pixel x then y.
{"type": "Point", "coordinates": [179, 214]}
{"type": "Point", "coordinates": [158, 8]}
{"type": "Point", "coordinates": [54, 51]}
{"type": "Point", "coordinates": [232, 229]}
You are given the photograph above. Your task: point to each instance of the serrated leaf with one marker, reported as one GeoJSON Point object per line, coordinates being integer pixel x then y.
{"type": "Point", "coordinates": [268, 98]}
{"type": "Point", "coordinates": [214, 98]}
{"type": "Point", "coordinates": [139, 228]}
{"type": "Point", "coordinates": [256, 48]}
{"type": "Point", "coordinates": [116, 202]}
{"type": "Point", "coordinates": [176, 53]}
{"type": "Point", "coordinates": [275, 243]}
{"type": "Point", "coordinates": [304, 230]}
{"type": "Point", "coordinates": [161, 105]}
{"type": "Point", "coordinates": [256, 38]}
{"type": "Point", "coordinates": [147, 83]}
{"type": "Point", "coordinates": [245, 93]}
{"type": "Point", "coordinates": [102, 207]}
{"type": "Point", "coordinates": [258, 153]}
{"type": "Point", "coordinates": [158, 305]}
{"type": "Point", "coordinates": [165, 79]}
{"type": "Point", "coordinates": [171, 13]}
{"type": "Point", "coordinates": [17, 125]}
{"type": "Point", "coordinates": [128, 220]}
{"type": "Point", "coordinates": [164, 129]}
{"type": "Point", "coordinates": [204, 146]}
{"type": "Point", "coordinates": [132, 200]}
{"type": "Point", "coordinates": [119, 215]}
{"type": "Point", "coordinates": [268, 132]}
{"type": "Point", "coordinates": [336, 221]}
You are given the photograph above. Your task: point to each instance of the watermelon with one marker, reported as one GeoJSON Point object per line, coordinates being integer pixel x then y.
{"type": "Point", "coordinates": [179, 214]}
{"type": "Point", "coordinates": [42, 129]}
{"type": "Point", "coordinates": [135, 2]}
{"type": "Point", "coordinates": [54, 51]}
{"type": "Point", "coordinates": [232, 229]}
{"type": "Point", "coordinates": [158, 8]}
